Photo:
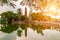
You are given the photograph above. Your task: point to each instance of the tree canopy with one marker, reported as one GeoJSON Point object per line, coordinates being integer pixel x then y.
{"type": "Point", "coordinates": [7, 2]}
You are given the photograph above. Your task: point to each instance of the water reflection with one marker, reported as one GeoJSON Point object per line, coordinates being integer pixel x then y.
{"type": "Point", "coordinates": [19, 28]}
{"type": "Point", "coordinates": [9, 28]}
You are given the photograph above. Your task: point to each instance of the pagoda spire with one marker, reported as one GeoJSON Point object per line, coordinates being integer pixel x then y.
{"type": "Point", "coordinates": [25, 11]}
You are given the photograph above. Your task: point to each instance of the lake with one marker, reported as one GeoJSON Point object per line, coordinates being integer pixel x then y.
{"type": "Point", "coordinates": [29, 32]}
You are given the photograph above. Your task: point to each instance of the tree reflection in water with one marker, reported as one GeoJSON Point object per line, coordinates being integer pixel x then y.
{"type": "Point", "coordinates": [9, 28]}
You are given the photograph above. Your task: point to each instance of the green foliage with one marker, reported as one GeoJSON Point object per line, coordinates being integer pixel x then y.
{"type": "Point", "coordinates": [8, 2]}
{"type": "Point", "coordinates": [8, 16]}
{"type": "Point", "coordinates": [40, 17]}
{"type": "Point", "coordinates": [33, 16]}
{"type": "Point", "coordinates": [24, 18]}
{"type": "Point", "coordinates": [4, 1]}
{"type": "Point", "coordinates": [19, 33]}
{"type": "Point", "coordinates": [37, 16]}
{"type": "Point", "coordinates": [38, 28]}
{"type": "Point", "coordinates": [8, 28]}
{"type": "Point", "coordinates": [24, 26]}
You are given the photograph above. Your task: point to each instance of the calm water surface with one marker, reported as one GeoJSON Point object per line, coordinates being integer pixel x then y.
{"type": "Point", "coordinates": [29, 32]}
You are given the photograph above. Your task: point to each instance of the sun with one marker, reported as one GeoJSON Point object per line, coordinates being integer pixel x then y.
{"type": "Point", "coordinates": [52, 8]}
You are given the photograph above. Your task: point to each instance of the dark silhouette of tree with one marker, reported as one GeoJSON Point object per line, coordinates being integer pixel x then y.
{"type": "Point", "coordinates": [19, 33]}
{"type": "Point", "coordinates": [7, 2]}
{"type": "Point", "coordinates": [7, 17]}
{"type": "Point", "coordinates": [9, 28]}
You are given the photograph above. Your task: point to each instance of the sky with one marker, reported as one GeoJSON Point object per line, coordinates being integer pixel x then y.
{"type": "Point", "coordinates": [9, 8]}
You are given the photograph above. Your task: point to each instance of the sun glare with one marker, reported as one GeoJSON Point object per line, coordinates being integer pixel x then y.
{"type": "Point", "coordinates": [52, 8]}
